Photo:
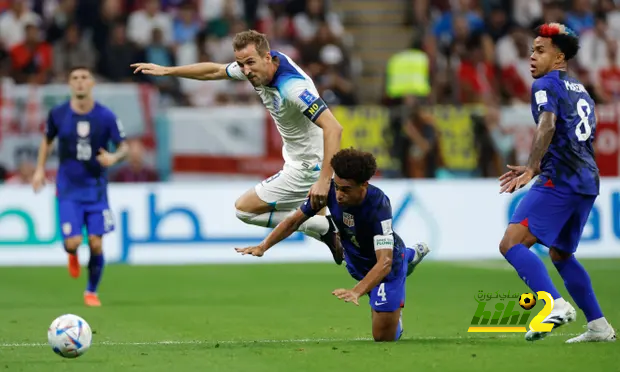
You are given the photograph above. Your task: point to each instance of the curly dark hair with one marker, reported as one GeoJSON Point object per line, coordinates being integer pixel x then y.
{"type": "Point", "coordinates": [562, 37]}
{"type": "Point", "coordinates": [356, 165]}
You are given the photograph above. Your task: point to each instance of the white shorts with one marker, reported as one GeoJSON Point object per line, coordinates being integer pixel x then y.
{"type": "Point", "coordinates": [287, 189]}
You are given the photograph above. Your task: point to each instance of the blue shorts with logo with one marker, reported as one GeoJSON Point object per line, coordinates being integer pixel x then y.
{"type": "Point", "coordinates": [389, 295]}
{"type": "Point", "coordinates": [555, 218]}
{"type": "Point", "coordinates": [96, 216]}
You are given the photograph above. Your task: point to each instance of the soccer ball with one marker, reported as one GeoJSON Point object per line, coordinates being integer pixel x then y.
{"type": "Point", "coordinates": [527, 301]}
{"type": "Point", "coordinates": [69, 336]}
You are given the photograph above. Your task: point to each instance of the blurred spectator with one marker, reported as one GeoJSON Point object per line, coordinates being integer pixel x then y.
{"type": "Point", "coordinates": [526, 12]}
{"type": "Point", "coordinates": [211, 10]}
{"type": "Point", "coordinates": [515, 70]}
{"type": "Point", "coordinates": [186, 24]}
{"type": "Point", "coordinates": [334, 87]}
{"type": "Point", "coordinates": [117, 55]}
{"type": "Point", "coordinates": [109, 15]}
{"type": "Point", "coordinates": [580, 18]}
{"type": "Point", "coordinates": [422, 156]}
{"type": "Point", "coordinates": [476, 77]}
{"type": "Point", "coordinates": [308, 23]}
{"type": "Point", "coordinates": [552, 11]}
{"type": "Point", "coordinates": [142, 23]}
{"type": "Point", "coordinates": [62, 18]}
{"type": "Point", "coordinates": [593, 53]}
{"type": "Point", "coordinates": [135, 170]}
{"type": "Point", "coordinates": [72, 50]}
{"type": "Point", "coordinates": [497, 23]}
{"type": "Point", "coordinates": [31, 61]}
{"type": "Point", "coordinates": [407, 74]}
{"type": "Point", "coordinates": [607, 83]}
{"type": "Point", "coordinates": [157, 52]}
{"type": "Point", "coordinates": [13, 23]}
{"type": "Point", "coordinates": [24, 174]}
{"type": "Point", "coordinates": [444, 26]}
{"type": "Point", "coordinates": [494, 145]}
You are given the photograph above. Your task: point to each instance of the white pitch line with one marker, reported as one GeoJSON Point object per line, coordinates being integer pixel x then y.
{"type": "Point", "coordinates": [289, 341]}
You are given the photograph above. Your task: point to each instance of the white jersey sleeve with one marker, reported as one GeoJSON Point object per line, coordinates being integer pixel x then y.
{"type": "Point", "coordinates": [234, 72]}
{"type": "Point", "coordinates": [303, 95]}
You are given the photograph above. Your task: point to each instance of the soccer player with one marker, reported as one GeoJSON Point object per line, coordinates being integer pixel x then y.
{"type": "Point", "coordinates": [555, 210]}
{"type": "Point", "coordinates": [83, 128]}
{"type": "Point", "coordinates": [375, 255]}
{"type": "Point", "coordinates": [310, 133]}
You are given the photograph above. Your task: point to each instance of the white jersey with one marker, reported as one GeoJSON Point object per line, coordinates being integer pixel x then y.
{"type": "Point", "coordinates": [294, 104]}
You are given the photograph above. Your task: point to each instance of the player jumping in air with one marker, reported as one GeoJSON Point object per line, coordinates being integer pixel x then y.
{"type": "Point", "coordinates": [310, 133]}
{"type": "Point", "coordinates": [555, 210]}
{"type": "Point", "coordinates": [375, 255]}
{"type": "Point", "coordinates": [84, 128]}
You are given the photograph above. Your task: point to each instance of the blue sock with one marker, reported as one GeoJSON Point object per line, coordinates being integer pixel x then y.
{"type": "Point", "coordinates": [409, 254]}
{"type": "Point", "coordinates": [532, 270]}
{"type": "Point", "coordinates": [95, 269]}
{"type": "Point", "coordinates": [578, 284]}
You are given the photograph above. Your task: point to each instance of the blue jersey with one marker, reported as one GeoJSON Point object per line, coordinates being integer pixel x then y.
{"type": "Point", "coordinates": [80, 176]}
{"type": "Point", "coordinates": [364, 229]}
{"type": "Point", "coordinates": [569, 163]}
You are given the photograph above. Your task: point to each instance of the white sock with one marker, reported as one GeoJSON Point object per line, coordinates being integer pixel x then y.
{"type": "Point", "coordinates": [599, 324]}
{"type": "Point", "coordinates": [314, 227]}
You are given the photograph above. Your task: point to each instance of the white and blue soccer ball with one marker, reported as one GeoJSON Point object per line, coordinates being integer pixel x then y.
{"type": "Point", "coordinates": [69, 336]}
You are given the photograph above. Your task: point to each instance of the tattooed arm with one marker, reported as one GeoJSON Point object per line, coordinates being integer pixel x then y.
{"type": "Point", "coordinates": [542, 140]}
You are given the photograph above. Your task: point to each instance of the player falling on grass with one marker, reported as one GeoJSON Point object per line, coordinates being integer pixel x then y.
{"type": "Point", "coordinates": [83, 128]}
{"type": "Point", "coordinates": [375, 255]}
{"type": "Point", "coordinates": [556, 208]}
{"type": "Point", "coordinates": [310, 133]}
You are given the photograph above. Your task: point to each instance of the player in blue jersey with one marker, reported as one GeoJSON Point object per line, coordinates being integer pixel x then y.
{"type": "Point", "coordinates": [555, 210]}
{"type": "Point", "coordinates": [84, 129]}
{"type": "Point", "coordinates": [375, 255]}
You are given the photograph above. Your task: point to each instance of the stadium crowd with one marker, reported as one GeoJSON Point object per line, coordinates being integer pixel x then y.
{"type": "Point", "coordinates": [477, 51]}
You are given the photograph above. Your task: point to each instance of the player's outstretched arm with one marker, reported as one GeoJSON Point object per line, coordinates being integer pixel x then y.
{"type": "Point", "coordinates": [196, 71]}
{"type": "Point", "coordinates": [381, 269]}
{"type": "Point", "coordinates": [332, 134]}
{"type": "Point", "coordinates": [281, 232]}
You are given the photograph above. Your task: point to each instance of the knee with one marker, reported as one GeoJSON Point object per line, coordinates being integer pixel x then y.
{"type": "Point", "coordinates": [95, 244]}
{"type": "Point", "coordinates": [506, 243]}
{"type": "Point", "coordinates": [72, 244]}
{"type": "Point", "coordinates": [243, 216]}
{"type": "Point", "coordinates": [558, 255]}
{"type": "Point", "coordinates": [383, 336]}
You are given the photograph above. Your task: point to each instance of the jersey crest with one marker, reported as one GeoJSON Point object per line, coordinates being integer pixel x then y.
{"type": "Point", "coordinates": [83, 128]}
{"type": "Point", "coordinates": [347, 219]}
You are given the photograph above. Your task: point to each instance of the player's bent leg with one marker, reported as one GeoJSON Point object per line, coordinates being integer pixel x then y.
{"type": "Point", "coordinates": [253, 210]}
{"type": "Point", "coordinates": [386, 326]}
{"type": "Point", "coordinates": [72, 244]}
{"type": "Point", "coordinates": [578, 283]}
{"type": "Point", "coordinates": [515, 247]}
{"type": "Point", "coordinates": [95, 270]}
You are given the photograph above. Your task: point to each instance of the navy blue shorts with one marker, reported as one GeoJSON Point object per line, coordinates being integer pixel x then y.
{"type": "Point", "coordinates": [555, 218]}
{"type": "Point", "coordinates": [96, 216]}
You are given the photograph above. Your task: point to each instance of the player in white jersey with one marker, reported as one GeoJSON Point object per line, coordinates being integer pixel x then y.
{"type": "Point", "coordinates": [310, 133]}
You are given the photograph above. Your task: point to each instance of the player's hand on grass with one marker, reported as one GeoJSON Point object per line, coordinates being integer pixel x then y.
{"type": "Point", "coordinates": [318, 194]}
{"type": "Point", "coordinates": [105, 158]}
{"type": "Point", "coordinates": [38, 180]}
{"type": "Point", "coordinates": [348, 295]}
{"type": "Point", "coordinates": [150, 69]}
{"type": "Point", "coordinates": [257, 251]}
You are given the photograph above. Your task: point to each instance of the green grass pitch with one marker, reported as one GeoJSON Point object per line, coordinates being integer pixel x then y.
{"type": "Point", "coordinates": [282, 317]}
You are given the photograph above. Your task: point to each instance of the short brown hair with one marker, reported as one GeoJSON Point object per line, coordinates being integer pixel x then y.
{"type": "Point", "coordinates": [245, 38]}
{"type": "Point", "coordinates": [356, 165]}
